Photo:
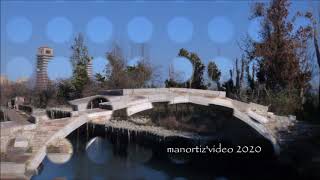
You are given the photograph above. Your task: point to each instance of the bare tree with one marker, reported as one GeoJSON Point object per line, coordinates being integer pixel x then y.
{"type": "Point", "coordinates": [282, 60]}
{"type": "Point", "coordinates": [121, 75]}
{"type": "Point", "coordinates": [315, 26]}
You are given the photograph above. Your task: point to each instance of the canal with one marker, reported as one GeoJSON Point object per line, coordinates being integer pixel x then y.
{"type": "Point", "coordinates": [105, 153]}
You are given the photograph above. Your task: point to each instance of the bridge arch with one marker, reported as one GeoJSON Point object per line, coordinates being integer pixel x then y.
{"type": "Point", "coordinates": [238, 113]}
{"type": "Point", "coordinates": [127, 100]}
{"type": "Point", "coordinates": [95, 102]}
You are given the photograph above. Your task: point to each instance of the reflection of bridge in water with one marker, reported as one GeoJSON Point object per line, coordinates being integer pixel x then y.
{"type": "Point", "coordinates": [98, 109]}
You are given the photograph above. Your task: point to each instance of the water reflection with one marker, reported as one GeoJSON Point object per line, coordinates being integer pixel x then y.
{"type": "Point", "coordinates": [178, 158]}
{"type": "Point", "coordinates": [139, 154]}
{"type": "Point", "coordinates": [221, 178]}
{"type": "Point", "coordinates": [98, 150]}
{"type": "Point", "coordinates": [101, 153]}
{"type": "Point", "coordinates": [59, 151]}
{"type": "Point", "coordinates": [179, 178]}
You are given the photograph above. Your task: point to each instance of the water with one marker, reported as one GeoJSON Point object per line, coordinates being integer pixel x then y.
{"type": "Point", "coordinates": [101, 153]}
{"type": "Point", "coordinates": [110, 156]}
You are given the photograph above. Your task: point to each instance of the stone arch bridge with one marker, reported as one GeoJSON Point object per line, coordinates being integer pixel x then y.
{"type": "Point", "coordinates": [98, 109]}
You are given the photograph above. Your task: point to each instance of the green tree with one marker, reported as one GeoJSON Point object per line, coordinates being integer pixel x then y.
{"type": "Point", "coordinates": [79, 59]}
{"type": "Point", "coordinates": [214, 73]}
{"type": "Point", "coordinates": [139, 75]}
{"type": "Point", "coordinates": [41, 98]}
{"type": "Point", "coordinates": [65, 91]}
{"type": "Point", "coordinates": [229, 86]}
{"type": "Point", "coordinates": [172, 83]}
{"type": "Point", "coordinates": [197, 80]}
{"type": "Point", "coordinates": [100, 78]}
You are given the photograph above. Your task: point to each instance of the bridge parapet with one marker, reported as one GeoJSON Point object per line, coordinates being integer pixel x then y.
{"type": "Point", "coordinates": [39, 115]}
{"type": "Point", "coordinates": [199, 92]}
{"type": "Point", "coordinates": [259, 107]}
{"type": "Point", "coordinates": [146, 91]}
{"type": "Point", "coordinates": [128, 98]}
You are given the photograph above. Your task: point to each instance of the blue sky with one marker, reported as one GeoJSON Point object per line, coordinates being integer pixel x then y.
{"type": "Point", "coordinates": [211, 29]}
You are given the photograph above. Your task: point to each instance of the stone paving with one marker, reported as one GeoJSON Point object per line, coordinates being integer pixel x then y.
{"type": "Point", "coordinates": [37, 139]}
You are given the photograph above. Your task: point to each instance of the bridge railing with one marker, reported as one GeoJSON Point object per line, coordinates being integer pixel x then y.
{"type": "Point", "coordinates": [174, 90]}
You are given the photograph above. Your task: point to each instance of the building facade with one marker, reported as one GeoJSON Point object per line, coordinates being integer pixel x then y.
{"type": "Point", "coordinates": [4, 80]}
{"type": "Point", "coordinates": [89, 69]}
{"type": "Point", "coordinates": [43, 57]}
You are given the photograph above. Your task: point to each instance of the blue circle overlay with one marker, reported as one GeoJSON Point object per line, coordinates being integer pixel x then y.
{"type": "Point", "coordinates": [139, 30]}
{"type": "Point", "coordinates": [59, 29]}
{"type": "Point", "coordinates": [19, 68]}
{"type": "Point", "coordinates": [183, 68]}
{"type": "Point", "coordinates": [19, 29]}
{"type": "Point", "coordinates": [180, 29]}
{"type": "Point", "coordinates": [99, 64]}
{"type": "Point", "coordinates": [98, 150]}
{"type": "Point", "coordinates": [99, 29]}
{"type": "Point", "coordinates": [224, 65]}
{"type": "Point", "coordinates": [134, 61]}
{"type": "Point", "coordinates": [59, 68]}
{"type": "Point", "coordinates": [255, 29]}
{"type": "Point", "coordinates": [220, 29]}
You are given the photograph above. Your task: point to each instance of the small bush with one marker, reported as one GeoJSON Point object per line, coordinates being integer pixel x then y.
{"type": "Point", "coordinates": [284, 102]}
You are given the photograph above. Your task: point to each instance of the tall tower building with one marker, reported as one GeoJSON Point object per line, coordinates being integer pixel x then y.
{"type": "Point", "coordinates": [89, 69]}
{"type": "Point", "coordinates": [43, 56]}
